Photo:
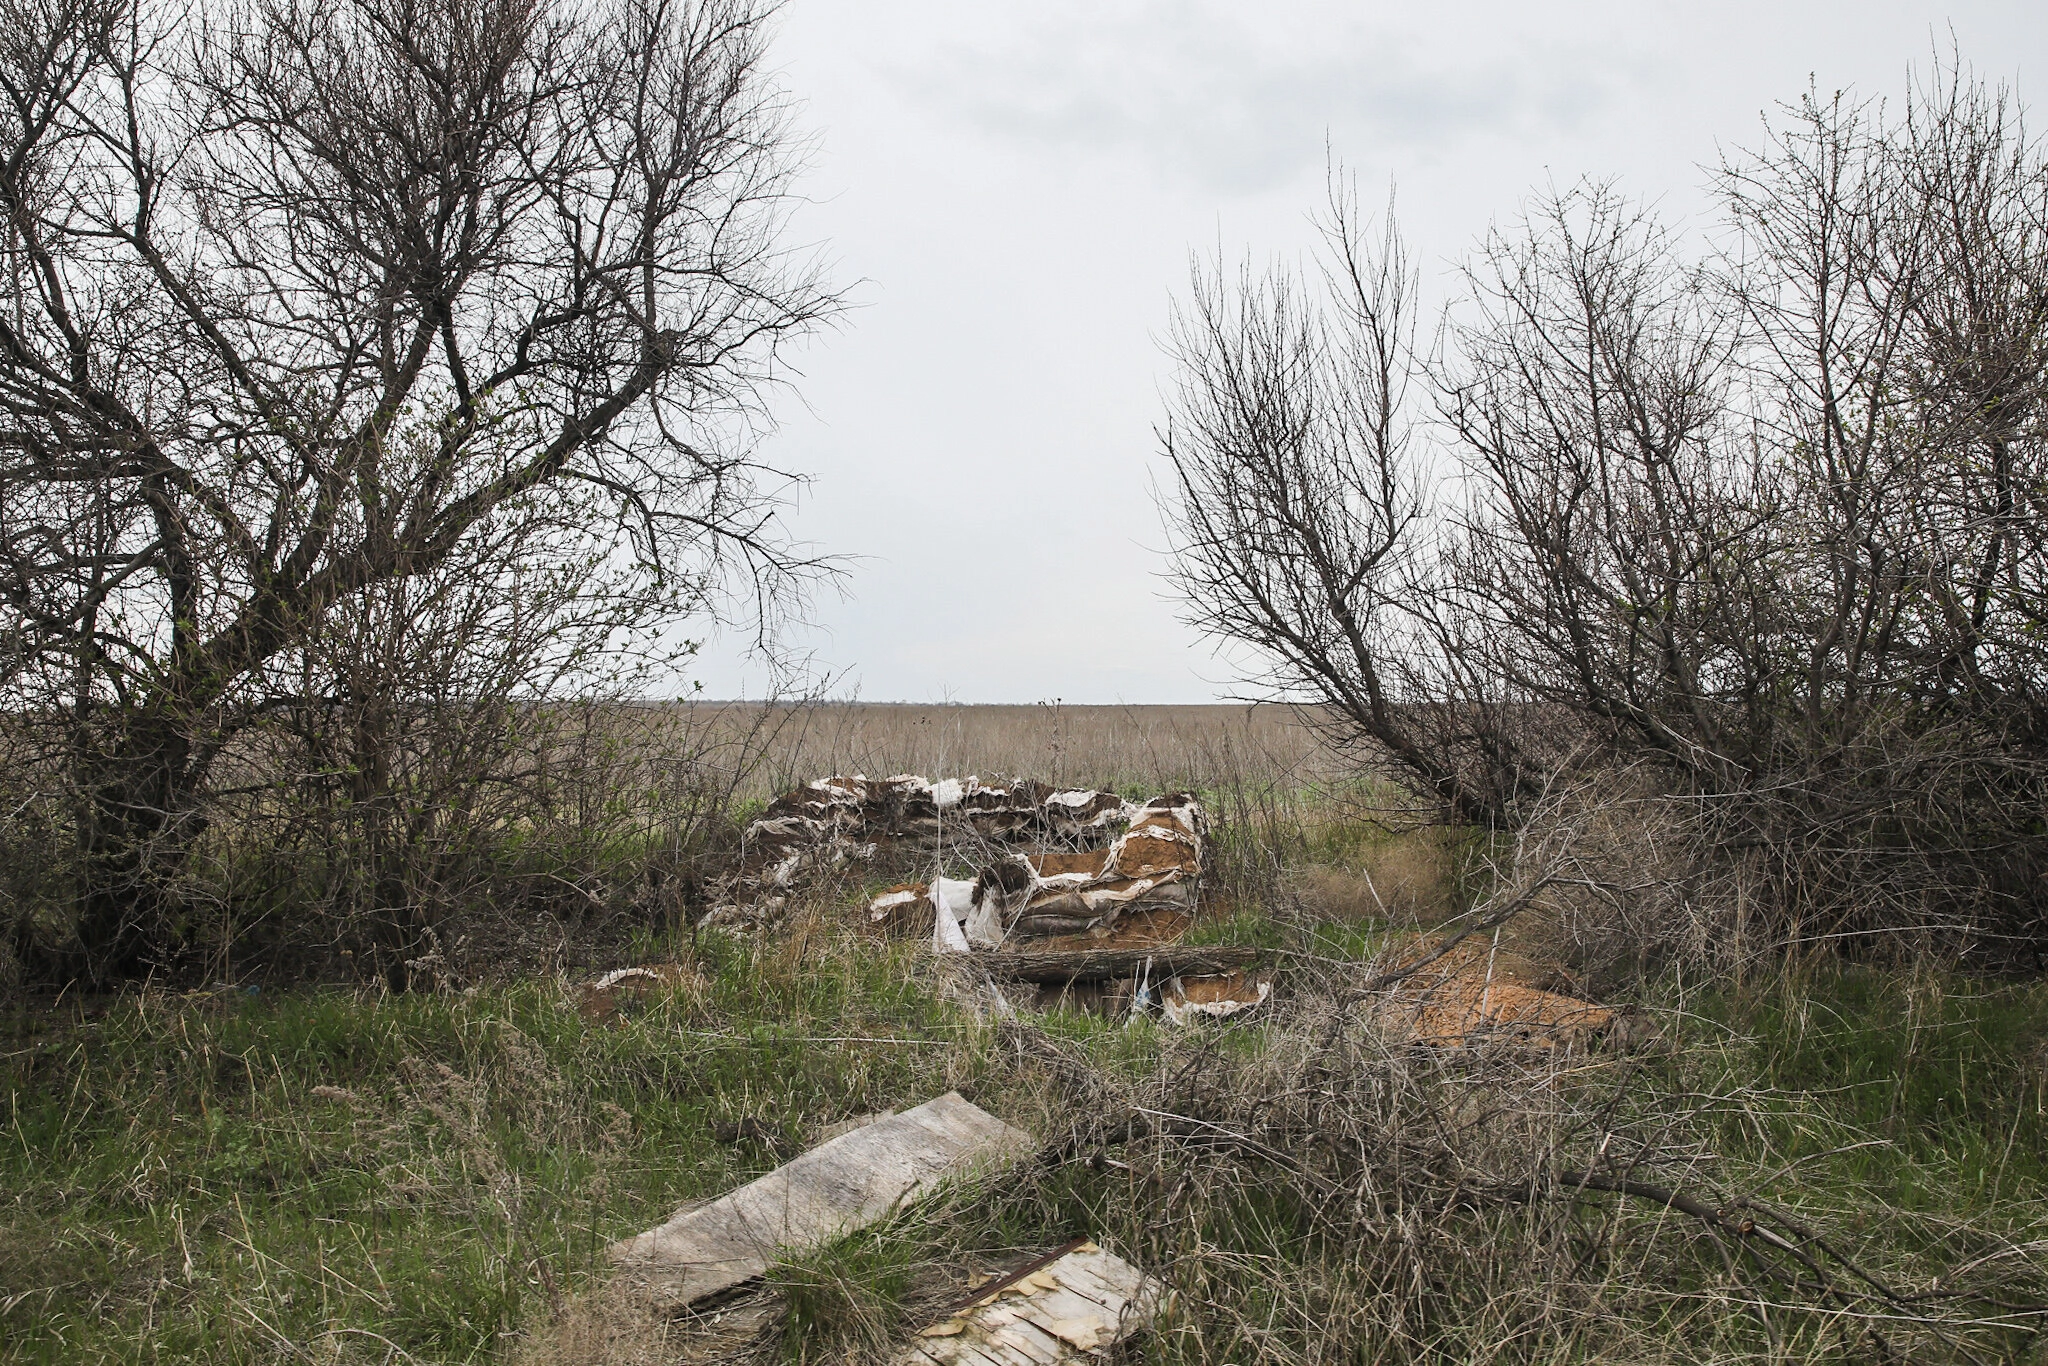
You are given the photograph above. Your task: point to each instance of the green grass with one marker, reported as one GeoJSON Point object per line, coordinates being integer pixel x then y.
{"type": "Point", "coordinates": [341, 1176]}
{"type": "Point", "coordinates": [1940, 1082]}
{"type": "Point", "coordinates": [176, 1189]}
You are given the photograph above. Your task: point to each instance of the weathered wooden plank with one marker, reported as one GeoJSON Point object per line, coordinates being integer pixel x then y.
{"type": "Point", "coordinates": [1002, 1352]}
{"type": "Point", "coordinates": [836, 1187]}
{"type": "Point", "coordinates": [1011, 1324]}
{"type": "Point", "coordinates": [1071, 1317]}
{"type": "Point", "coordinates": [1094, 965]}
{"type": "Point", "coordinates": [1064, 1312]}
{"type": "Point", "coordinates": [952, 1352]}
{"type": "Point", "coordinates": [1111, 1278]}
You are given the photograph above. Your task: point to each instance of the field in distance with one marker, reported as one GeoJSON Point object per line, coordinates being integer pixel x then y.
{"type": "Point", "coordinates": [1151, 747]}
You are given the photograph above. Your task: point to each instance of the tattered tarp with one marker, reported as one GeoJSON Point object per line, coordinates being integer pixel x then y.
{"type": "Point", "coordinates": [1156, 861]}
{"type": "Point", "coordinates": [838, 1186]}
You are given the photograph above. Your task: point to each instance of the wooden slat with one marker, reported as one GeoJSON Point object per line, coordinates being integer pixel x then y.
{"type": "Point", "coordinates": [836, 1187]}
{"type": "Point", "coordinates": [955, 1352]}
{"type": "Point", "coordinates": [1082, 1279]}
{"type": "Point", "coordinates": [1004, 1282]}
{"type": "Point", "coordinates": [1095, 965]}
{"type": "Point", "coordinates": [1062, 1313]}
{"type": "Point", "coordinates": [1034, 1342]}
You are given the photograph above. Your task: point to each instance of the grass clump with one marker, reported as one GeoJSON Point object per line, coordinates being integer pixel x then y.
{"type": "Point", "coordinates": [850, 1299]}
{"type": "Point", "coordinates": [1926, 1090]}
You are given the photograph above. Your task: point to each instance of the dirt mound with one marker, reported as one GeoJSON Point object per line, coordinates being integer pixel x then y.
{"type": "Point", "coordinates": [1475, 993]}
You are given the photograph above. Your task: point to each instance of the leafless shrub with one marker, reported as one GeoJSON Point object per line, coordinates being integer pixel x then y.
{"type": "Point", "coordinates": [1758, 529]}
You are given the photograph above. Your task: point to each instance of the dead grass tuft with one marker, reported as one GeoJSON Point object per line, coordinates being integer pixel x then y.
{"type": "Point", "coordinates": [1404, 878]}
{"type": "Point", "coordinates": [1334, 1191]}
{"type": "Point", "coordinates": [610, 1326]}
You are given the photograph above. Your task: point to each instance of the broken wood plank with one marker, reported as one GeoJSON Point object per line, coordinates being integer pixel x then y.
{"type": "Point", "coordinates": [1069, 1309]}
{"type": "Point", "coordinates": [839, 1186]}
{"type": "Point", "coordinates": [1094, 965]}
{"type": "Point", "coordinates": [995, 1287]}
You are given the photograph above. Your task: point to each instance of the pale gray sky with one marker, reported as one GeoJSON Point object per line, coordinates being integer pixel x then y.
{"type": "Point", "coordinates": [1018, 186]}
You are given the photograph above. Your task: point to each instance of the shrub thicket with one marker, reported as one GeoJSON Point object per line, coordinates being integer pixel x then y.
{"type": "Point", "coordinates": [1760, 524]}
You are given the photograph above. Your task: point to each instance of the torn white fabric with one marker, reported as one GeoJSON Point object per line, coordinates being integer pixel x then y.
{"type": "Point", "coordinates": [883, 906]}
{"type": "Point", "coordinates": [952, 899]}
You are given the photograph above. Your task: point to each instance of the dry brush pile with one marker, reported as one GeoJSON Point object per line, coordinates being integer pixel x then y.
{"type": "Point", "coordinates": [1337, 1195]}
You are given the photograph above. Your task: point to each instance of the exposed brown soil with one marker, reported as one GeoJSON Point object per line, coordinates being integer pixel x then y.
{"type": "Point", "coordinates": [621, 993]}
{"type": "Point", "coordinates": [1479, 994]}
{"type": "Point", "coordinates": [1241, 988]}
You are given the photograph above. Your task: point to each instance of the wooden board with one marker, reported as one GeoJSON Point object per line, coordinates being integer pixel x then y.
{"type": "Point", "coordinates": [835, 1188]}
{"type": "Point", "coordinates": [1101, 964]}
{"type": "Point", "coordinates": [1069, 1310]}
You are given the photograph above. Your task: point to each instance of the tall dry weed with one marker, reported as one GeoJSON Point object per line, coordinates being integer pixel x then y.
{"type": "Point", "coordinates": [1336, 1195]}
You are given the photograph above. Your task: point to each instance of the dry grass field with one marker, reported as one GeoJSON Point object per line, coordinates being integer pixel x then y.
{"type": "Point", "coordinates": [1113, 747]}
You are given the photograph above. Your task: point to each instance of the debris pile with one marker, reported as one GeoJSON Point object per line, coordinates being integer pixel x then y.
{"type": "Point", "coordinates": [1085, 896]}
{"type": "Point", "coordinates": [1155, 862]}
{"type": "Point", "coordinates": [1062, 875]}
{"type": "Point", "coordinates": [833, 820]}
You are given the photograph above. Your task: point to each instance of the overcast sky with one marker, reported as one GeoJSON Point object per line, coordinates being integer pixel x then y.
{"type": "Point", "coordinates": [1013, 190]}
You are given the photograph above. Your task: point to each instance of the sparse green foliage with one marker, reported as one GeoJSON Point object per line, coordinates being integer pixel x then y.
{"type": "Point", "coordinates": [193, 1177]}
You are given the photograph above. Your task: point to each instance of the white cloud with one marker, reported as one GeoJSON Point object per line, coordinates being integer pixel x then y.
{"type": "Point", "coordinates": [1210, 95]}
{"type": "Point", "coordinates": [1021, 183]}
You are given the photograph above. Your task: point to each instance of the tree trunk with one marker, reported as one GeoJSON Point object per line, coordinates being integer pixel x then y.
{"type": "Point", "coordinates": [136, 823]}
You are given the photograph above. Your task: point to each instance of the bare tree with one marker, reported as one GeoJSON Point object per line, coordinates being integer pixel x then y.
{"type": "Point", "coordinates": [1767, 522]}
{"type": "Point", "coordinates": [305, 302]}
{"type": "Point", "coordinates": [1301, 513]}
